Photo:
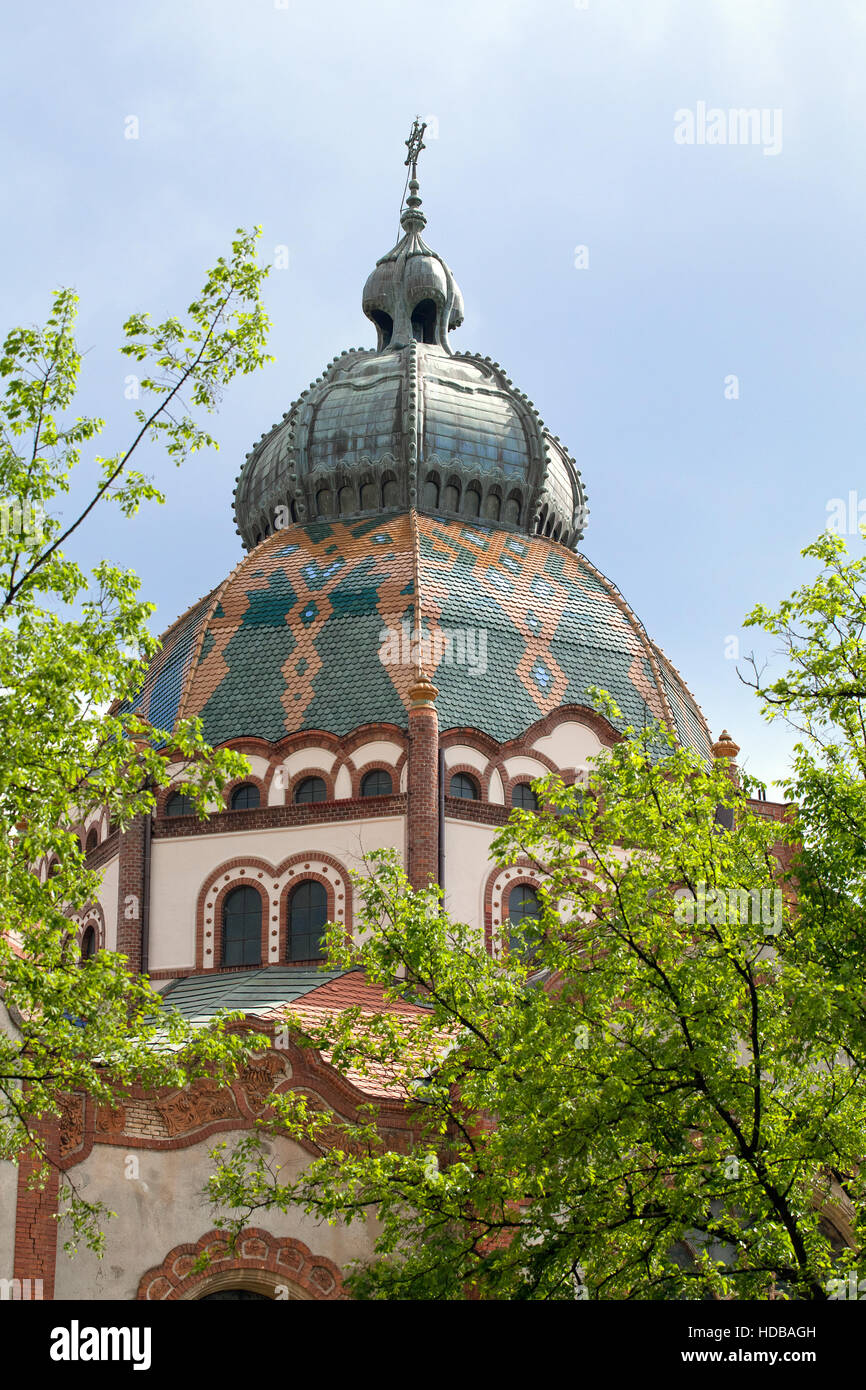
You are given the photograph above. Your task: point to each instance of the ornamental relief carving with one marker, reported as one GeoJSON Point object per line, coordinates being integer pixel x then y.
{"type": "Point", "coordinates": [259, 1078]}
{"type": "Point", "coordinates": [71, 1124]}
{"type": "Point", "coordinates": [204, 1102]}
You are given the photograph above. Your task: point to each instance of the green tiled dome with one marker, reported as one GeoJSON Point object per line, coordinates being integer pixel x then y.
{"type": "Point", "coordinates": [319, 628]}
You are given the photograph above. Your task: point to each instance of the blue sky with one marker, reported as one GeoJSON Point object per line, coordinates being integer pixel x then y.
{"type": "Point", "coordinates": [552, 128]}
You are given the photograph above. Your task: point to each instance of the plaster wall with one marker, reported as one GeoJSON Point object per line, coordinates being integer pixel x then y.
{"type": "Point", "coordinates": [108, 902]}
{"type": "Point", "coordinates": [467, 865]}
{"type": "Point", "coordinates": [160, 1203]}
{"type": "Point", "coordinates": [180, 866]}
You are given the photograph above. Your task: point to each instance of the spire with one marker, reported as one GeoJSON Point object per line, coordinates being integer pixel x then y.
{"type": "Point", "coordinates": [412, 295]}
{"type": "Point", "coordinates": [411, 216]}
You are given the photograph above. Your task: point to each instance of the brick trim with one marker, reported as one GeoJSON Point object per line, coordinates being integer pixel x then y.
{"type": "Point", "coordinates": [92, 916]}
{"type": "Point", "coordinates": [271, 881]}
{"type": "Point", "coordinates": [236, 782]}
{"type": "Point", "coordinates": [276, 817]}
{"type": "Point", "coordinates": [333, 889]}
{"type": "Point", "coordinates": [327, 777]}
{"type": "Point", "coordinates": [286, 1260]}
{"type": "Point", "coordinates": [480, 779]}
{"type": "Point", "coordinates": [478, 812]}
{"type": "Point", "coordinates": [378, 765]}
{"type": "Point", "coordinates": [214, 927]}
{"type": "Point", "coordinates": [500, 881]}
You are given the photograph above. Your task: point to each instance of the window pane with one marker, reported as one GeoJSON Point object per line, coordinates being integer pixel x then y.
{"type": "Point", "coordinates": [524, 797]}
{"type": "Point", "coordinates": [311, 789]}
{"type": "Point", "coordinates": [523, 909]}
{"type": "Point", "coordinates": [179, 805]}
{"type": "Point", "coordinates": [308, 913]}
{"type": "Point", "coordinates": [242, 927]}
{"type": "Point", "coordinates": [377, 783]}
{"type": "Point", "coordinates": [463, 786]}
{"type": "Point", "coordinates": [246, 797]}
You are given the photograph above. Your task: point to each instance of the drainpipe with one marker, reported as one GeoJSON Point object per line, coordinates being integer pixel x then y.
{"type": "Point", "coordinates": [441, 855]}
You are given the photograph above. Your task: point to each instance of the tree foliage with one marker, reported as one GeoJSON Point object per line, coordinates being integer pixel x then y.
{"type": "Point", "coordinates": [658, 1091]}
{"type": "Point", "coordinates": [73, 650]}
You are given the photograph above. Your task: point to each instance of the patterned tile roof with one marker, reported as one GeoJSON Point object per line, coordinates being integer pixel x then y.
{"type": "Point", "coordinates": [257, 992]}
{"type": "Point", "coordinates": [314, 630]}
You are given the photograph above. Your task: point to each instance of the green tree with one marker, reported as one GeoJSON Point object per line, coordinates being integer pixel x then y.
{"type": "Point", "coordinates": [73, 650]}
{"type": "Point", "coordinates": [659, 1093]}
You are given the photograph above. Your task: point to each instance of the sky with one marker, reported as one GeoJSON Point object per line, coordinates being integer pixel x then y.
{"type": "Point", "coordinates": [687, 315]}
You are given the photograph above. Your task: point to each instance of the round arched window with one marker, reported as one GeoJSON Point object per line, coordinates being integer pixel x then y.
{"type": "Point", "coordinates": [179, 804]}
{"type": "Point", "coordinates": [242, 927]}
{"type": "Point", "coordinates": [524, 797]}
{"type": "Point", "coordinates": [88, 944]}
{"type": "Point", "coordinates": [92, 841]}
{"type": "Point", "coordinates": [463, 786]}
{"type": "Point", "coordinates": [245, 797]}
{"type": "Point", "coordinates": [377, 783]}
{"type": "Point", "coordinates": [308, 913]}
{"type": "Point", "coordinates": [524, 908]}
{"type": "Point", "coordinates": [311, 789]}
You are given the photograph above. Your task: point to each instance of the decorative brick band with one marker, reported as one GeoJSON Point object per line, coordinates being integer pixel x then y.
{"type": "Point", "coordinates": [276, 817]}
{"type": "Point", "coordinates": [499, 883]}
{"type": "Point", "coordinates": [261, 1262]}
{"type": "Point", "coordinates": [272, 883]}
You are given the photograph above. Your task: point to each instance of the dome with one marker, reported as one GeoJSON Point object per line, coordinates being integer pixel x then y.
{"type": "Point", "coordinates": [410, 424]}
{"type": "Point", "coordinates": [322, 627]}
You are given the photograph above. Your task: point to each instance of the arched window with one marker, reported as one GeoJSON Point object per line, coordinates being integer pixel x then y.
{"type": "Point", "coordinates": [472, 505]}
{"type": "Point", "coordinates": [178, 805]}
{"type": "Point", "coordinates": [346, 499]}
{"type": "Point", "coordinates": [92, 841]}
{"type": "Point", "coordinates": [88, 944]}
{"type": "Point", "coordinates": [431, 493]}
{"type": "Point", "coordinates": [308, 913]}
{"type": "Point", "coordinates": [245, 797]}
{"type": "Point", "coordinates": [491, 507]}
{"type": "Point", "coordinates": [385, 325]}
{"type": "Point", "coordinates": [424, 322]}
{"type": "Point", "coordinates": [369, 497]}
{"type": "Point", "coordinates": [377, 783]}
{"type": "Point", "coordinates": [242, 927]}
{"type": "Point", "coordinates": [53, 868]}
{"type": "Point", "coordinates": [311, 789]}
{"type": "Point", "coordinates": [390, 493]}
{"type": "Point", "coordinates": [451, 498]}
{"type": "Point", "coordinates": [464, 786]}
{"type": "Point", "coordinates": [524, 797]}
{"type": "Point", "coordinates": [325, 502]}
{"type": "Point", "coordinates": [512, 510]}
{"type": "Point", "coordinates": [524, 908]}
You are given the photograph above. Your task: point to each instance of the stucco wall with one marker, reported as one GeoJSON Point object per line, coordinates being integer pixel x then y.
{"type": "Point", "coordinates": [467, 855]}
{"type": "Point", "coordinates": [8, 1203]}
{"type": "Point", "coordinates": [164, 1206]}
{"type": "Point", "coordinates": [180, 866]}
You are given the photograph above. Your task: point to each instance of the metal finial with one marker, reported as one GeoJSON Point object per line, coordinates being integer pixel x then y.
{"type": "Point", "coordinates": [415, 144]}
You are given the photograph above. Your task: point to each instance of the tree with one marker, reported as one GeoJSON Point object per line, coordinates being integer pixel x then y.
{"type": "Point", "coordinates": [73, 651]}
{"type": "Point", "coordinates": [658, 1091]}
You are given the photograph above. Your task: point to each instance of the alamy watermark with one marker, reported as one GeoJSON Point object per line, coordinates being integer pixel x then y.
{"type": "Point", "coordinates": [720, 907]}
{"type": "Point", "coordinates": [454, 646]}
{"type": "Point", "coordinates": [739, 125]}
{"type": "Point", "coordinates": [24, 519]}
{"type": "Point", "coordinates": [844, 516]}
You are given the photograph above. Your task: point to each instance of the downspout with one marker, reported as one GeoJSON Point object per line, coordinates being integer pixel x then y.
{"type": "Point", "coordinates": [441, 798]}
{"type": "Point", "coordinates": [145, 895]}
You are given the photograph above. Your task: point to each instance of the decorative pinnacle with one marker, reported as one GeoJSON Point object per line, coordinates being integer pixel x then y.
{"type": "Point", "coordinates": [413, 217]}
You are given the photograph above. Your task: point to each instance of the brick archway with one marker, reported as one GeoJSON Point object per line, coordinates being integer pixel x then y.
{"type": "Point", "coordinates": [279, 1265]}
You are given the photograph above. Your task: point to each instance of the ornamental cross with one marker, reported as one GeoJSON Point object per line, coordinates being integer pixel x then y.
{"type": "Point", "coordinates": [415, 144]}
